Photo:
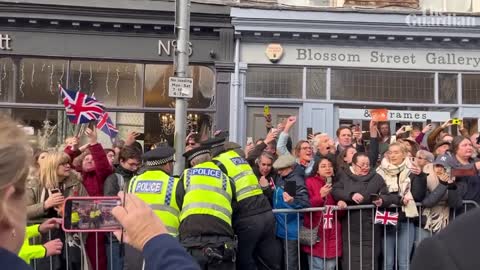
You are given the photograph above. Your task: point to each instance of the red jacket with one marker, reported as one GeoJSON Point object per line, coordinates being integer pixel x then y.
{"type": "Point", "coordinates": [329, 246]}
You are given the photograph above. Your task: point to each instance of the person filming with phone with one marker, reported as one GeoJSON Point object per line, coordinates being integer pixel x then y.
{"type": "Point", "coordinates": [290, 192]}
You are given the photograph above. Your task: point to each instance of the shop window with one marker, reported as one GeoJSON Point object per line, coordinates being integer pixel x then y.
{"type": "Point", "coordinates": [160, 127]}
{"type": "Point", "coordinates": [113, 83]}
{"type": "Point", "coordinates": [156, 87]}
{"type": "Point", "coordinates": [471, 84]}
{"type": "Point", "coordinates": [38, 80]}
{"type": "Point", "coordinates": [447, 84]}
{"type": "Point", "coordinates": [6, 80]}
{"type": "Point", "coordinates": [448, 6]}
{"type": "Point", "coordinates": [274, 82]}
{"type": "Point", "coordinates": [316, 83]}
{"type": "Point", "coordinates": [382, 86]}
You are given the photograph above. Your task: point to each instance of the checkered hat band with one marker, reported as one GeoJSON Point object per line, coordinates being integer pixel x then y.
{"type": "Point", "coordinates": [201, 152]}
{"type": "Point", "coordinates": [159, 161]}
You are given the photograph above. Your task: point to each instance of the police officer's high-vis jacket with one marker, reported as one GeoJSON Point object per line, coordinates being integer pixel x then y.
{"type": "Point", "coordinates": [29, 252]}
{"type": "Point", "coordinates": [207, 192]}
{"type": "Point", "coordinates": [157, 189]}
{"type": "Point", "coordinates": [238, 169]}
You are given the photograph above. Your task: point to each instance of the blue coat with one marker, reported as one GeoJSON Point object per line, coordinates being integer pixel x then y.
{"type": "Point", "coordinates": [12, 261]}
{"type": "Point", "coordinates": [163, 252]}
{"type": "Point", "coordinates": [288, 224]}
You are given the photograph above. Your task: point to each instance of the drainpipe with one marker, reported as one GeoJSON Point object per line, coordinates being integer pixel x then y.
{"type": "Point", "coordinates": [234, 97]}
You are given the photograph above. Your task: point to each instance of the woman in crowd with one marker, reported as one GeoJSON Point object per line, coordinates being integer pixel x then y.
{"type": "Point", "coordinates": [95, 168]}
{"type": "Point", "coordinates": [344, 158]}
{"type": "Point", "coordinates": [266, 175]}
{"type": "Point", "coordinates": [361, 241]}
{"type": "Point", "coordinates": [407, 183]}
{"type": "Point", "coordinates": [14, 166]}
{"type": "Point", "coordinates": [45, 199]}
{"type": "Point", "coordinates": [323, 255]}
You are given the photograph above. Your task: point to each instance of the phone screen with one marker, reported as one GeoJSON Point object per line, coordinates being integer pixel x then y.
{"type": "Point", "coordinates": [291, 188]}
{"type": "Point", "coordinates": [429, 121]}
{"type": "Point", "coordinates": [90, 214]}
{"type": "Point", "coordinates": [309, 131]}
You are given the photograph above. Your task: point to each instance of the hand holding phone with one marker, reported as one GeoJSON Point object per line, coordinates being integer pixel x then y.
{"type": "Point", "coordinates": [90, 214]}
{"type": "Point", "coordinates": [249, 140]}
{"type": "Point", "coordinates": [291, 188]}
{"type": "Point", "coordinates": [55, 199]}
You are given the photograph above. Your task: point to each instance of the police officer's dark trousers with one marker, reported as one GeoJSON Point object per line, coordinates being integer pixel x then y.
{"type": "Point", "coordinates": [211, 252]}
{"type": "Point", "coordinates": [258, 247]}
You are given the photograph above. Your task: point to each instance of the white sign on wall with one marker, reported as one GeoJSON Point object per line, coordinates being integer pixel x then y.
{"type": "Point", "coordinates": [406, 116]}
{"type": "Point", "coordinates": [401, 58]}
{"type": "Point", "coordinates": [180, 87]}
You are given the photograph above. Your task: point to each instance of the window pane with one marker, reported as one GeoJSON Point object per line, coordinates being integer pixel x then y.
{"type": "Point", "coordinates": [447, 84]}
{"type": "Point", "coordinates": [156, 86]}
{"type": "Point", "coordinates": [316, 83]}
{"type": "Point", "coordinates": [382, 86]}
{"type": "Point", "coordinates": [38, 80]}
{"type": "Point", "coordinates": [277, 82]}
{"type": "Point", "coordinates": [160, 127]}
{"type": "Point", "coordinates": [471, 86]}
{"type": "Point", "coordinates": [113, 83]}
{"type": "Point", "coordinates": [6, 80]}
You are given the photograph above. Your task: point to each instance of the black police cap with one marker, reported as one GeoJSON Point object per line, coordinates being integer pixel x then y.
{"type": "Point", "coordinates": [159, 156]}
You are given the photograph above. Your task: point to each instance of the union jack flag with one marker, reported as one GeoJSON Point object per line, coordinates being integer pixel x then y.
{"type": "Point", "coordinates": [107, 126]}
{"type": "Point", "coordinates": [328, 217]}
{"type": "Point", "coordinates": [386, 218]}
{"type": "Point", "coordinates": [80, 108]}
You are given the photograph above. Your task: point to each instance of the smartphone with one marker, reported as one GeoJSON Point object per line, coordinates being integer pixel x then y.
{"type": "Point", "coordinates": [309, 131]}
{"type": "Point", "coordinates": [90, 214]}
{"type": "Point", "coordinates": [356, 128]}
{"type": "Point", "coordinates": [374, 197]}
{"type": "Point", "coordinates": [329, 180]}
{"type": "Point", "coordinates": [141, 137]}
{"type": "Point", "coordinates": [291, 188]}
{"type": "Point", "coordinates": [55, 190]}
{"type": "Point", "coordinates": [266, 110]}
{"type": "Point", "coordinates": [249, 140]}
{"type": "Point", "coordinates": [429, 121]}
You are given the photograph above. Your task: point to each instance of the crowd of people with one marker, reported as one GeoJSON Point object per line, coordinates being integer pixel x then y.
{"type": "Point", "coordinates": [220, 208]}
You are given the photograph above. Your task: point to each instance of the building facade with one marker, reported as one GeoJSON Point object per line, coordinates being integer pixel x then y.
{"type": "Point", "coordinates": [119, 51]}
{"type": "Point", "coordinates": [330, 66]}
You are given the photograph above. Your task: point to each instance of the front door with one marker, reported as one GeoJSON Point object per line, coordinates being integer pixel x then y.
{"type": "Point", "coordinates": [319, 117]}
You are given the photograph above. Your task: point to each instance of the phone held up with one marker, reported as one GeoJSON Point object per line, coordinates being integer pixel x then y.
{"type": "Point", "coordinates": [90, 214]}
{"type": "Point", "coordinates": [309, 132]}
{"type": "Point", "coordinates": [291, 188]}
{"type": "Point", "coordinates": [457, 121]}
{"type": "Point", "coordinates": [249, 140]}
{"type": "Point", "coordinates": [329, 180]}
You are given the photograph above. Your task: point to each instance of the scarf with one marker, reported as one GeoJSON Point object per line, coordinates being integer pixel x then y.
{"type": "Point", "coordinates": [437, 216]}
{"type": "Point", "coordinates": [398, 181]}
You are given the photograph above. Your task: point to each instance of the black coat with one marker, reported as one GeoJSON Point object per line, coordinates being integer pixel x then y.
{"type": "Point", "coordinates": [454, 248]}
{"type": "Point", "coordinates": [357, 225]}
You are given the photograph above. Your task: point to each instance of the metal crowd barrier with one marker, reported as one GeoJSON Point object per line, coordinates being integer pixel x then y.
{"type": "Point", "coordinates": [365, 245]}
{"type": "Point", "coordinates": [367, 253]}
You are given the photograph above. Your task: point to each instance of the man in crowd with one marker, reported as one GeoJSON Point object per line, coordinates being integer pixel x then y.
{"type": "Point", "coordinates": [205, 196]}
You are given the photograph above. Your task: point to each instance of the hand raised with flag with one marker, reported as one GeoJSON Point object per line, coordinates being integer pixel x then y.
{"type": "Point", "coordinates": [92, 136]}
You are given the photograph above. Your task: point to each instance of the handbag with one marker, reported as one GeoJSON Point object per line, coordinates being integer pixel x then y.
{"type": "Point", "coordinates": [307, 236]}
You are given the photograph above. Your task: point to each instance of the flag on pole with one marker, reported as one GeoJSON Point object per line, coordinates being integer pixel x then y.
{"type": "Point", "coordinates": [106, 125]}
{"type": "Point", "coordinates": [80, 108]}
{"type": "Point", "coordinates": [386, 218]}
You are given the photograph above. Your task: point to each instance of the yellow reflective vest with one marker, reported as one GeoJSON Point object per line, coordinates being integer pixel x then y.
{"type": "Point", "coordinates": [207, 192]}
{"type": "Point", "coordinates": [75, 218]}
{"type": "Point", "coordinates": [29, 252]}
{"type": "Point", "coordinates": [246, 182]}
{"type": "Point", "coordinates": [157, 189]}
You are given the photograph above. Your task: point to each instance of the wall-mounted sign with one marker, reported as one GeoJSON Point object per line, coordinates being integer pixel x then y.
{"type": "Point", "coordinates": [167, 47]}
{"type": "Point", "coordinates": [5, 42]}
{"type": "Point", "coordinates": [180, 87]}
{"type": "Point", "coordinates": [404, 116]}
{"type": "Point", "coordinates": [274, 52]}
{"type": "Point", "coordinates": [367, 57]}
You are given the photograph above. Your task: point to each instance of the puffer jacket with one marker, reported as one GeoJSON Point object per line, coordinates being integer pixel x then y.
{"type": "Point", "coordinates": [330, 244]}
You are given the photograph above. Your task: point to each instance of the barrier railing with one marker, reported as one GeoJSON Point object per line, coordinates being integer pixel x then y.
{"type": "Point", "coordinates": [357, 242]}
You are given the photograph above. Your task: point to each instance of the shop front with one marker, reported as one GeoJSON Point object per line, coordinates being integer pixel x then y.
{"type": "Point", "coordinates": [332, 71]}
{"type": "Point", "coordinates": [124, 61]}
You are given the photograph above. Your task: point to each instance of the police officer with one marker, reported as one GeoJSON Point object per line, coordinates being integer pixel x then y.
{"type": "Point", "coordinates": [156, 186]}
{"type": "Point", "coordinates": [205, 195]}
{"type": "Point", "coordinates": [253, 220]}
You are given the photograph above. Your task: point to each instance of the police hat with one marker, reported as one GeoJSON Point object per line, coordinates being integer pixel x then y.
{"type": "Point", "coordinates": [213, 142]}
{"type": "Point", "coordinates": [195, 152]}
{"type": "Point", "coordinates": [159, 156]}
